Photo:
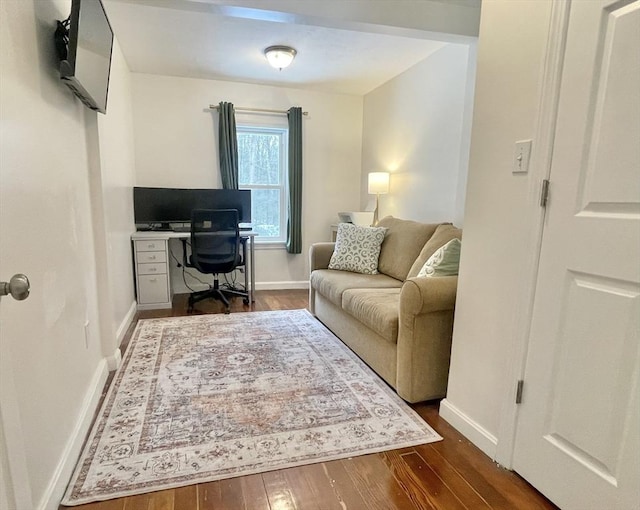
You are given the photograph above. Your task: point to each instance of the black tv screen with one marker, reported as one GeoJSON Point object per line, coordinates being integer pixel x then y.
{"type": "Point", "coordinates": [86, 67]}
{"type": "Point", "coordinates": [153, 206]}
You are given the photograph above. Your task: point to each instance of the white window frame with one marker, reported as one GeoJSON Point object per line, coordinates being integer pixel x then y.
{"type": "Point", "coordinates": [283, 133]}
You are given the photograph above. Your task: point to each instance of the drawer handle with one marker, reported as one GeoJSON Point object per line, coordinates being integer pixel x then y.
{"type": "Point", "coordinates": [151, 245]}
{"type": "Point", "coordinates": [153, 280]}
{"type": "Point", "coordinates": [152, 269]}
{"type": "Point", "coordinates": [153, 257]}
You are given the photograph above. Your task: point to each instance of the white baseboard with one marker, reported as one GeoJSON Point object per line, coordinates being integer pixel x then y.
{"type": "Point", "coordinates": [282, 285]}
{"type": "Point", "coordinates": [113, 362]}
{"type": "Point", "coordinates": [469, 428]}
{"type": "Point", "coordinates": [179, 288]}
{"type": "Point", "coordinates": [262, 286]}
{"type": "Point", "coordinates": [126, 322]}
{"type": "Point", "coordinates": [61, 476]}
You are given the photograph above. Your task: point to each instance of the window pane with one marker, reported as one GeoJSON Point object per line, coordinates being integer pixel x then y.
{"type": "Point", "coordinates": [258, 158]}
{"type": "Point", "coordinates": [265, 212]}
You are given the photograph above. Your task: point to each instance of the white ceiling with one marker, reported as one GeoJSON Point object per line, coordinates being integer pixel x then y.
{"type": "Point", "coordinates": [346, 51]}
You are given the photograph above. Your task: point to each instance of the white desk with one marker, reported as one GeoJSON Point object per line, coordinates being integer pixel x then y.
{"type": "Point", "coordinates": [151, 265]}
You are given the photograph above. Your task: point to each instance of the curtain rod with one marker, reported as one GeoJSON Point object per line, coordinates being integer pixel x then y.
{"type": "Point", "coordinates": [257, 110]}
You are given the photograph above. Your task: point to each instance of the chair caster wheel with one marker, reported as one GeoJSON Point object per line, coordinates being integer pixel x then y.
{"type": "Point", "coordinates": [246, 301]}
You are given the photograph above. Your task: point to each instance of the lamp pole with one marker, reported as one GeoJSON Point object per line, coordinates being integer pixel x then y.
{"type": "Point", "coordinates": [378, 182]}
{"type": "Point", "coordinates": [375, 211]}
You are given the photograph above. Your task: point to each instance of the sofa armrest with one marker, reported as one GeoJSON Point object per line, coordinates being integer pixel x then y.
{"type": "Point", "coordinates": [320, 255]}
{"type": "Point", "coordinates": [424, 337]}
{"type": "Point", "coordinates": [425, 295]}
{"type": "Point", "coordinates": [319, 258]}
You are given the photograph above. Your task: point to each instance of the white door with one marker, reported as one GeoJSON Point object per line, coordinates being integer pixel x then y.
{"type": "Point", "coordinates": [578, 432]}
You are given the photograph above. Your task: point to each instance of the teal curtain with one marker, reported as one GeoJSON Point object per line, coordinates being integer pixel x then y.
{"type": "Point", "coordinates": [228, 145]}
{"type": "Point", "coordinates": [294, 224]}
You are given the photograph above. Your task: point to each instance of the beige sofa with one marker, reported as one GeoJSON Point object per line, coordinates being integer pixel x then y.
{"type": "Point", "coordinates": [399, 324]}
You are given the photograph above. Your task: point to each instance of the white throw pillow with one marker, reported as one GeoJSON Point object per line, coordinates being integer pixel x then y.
{"type": "Point", "coordinates": [444, 262]}
{"type": "Point", "coordinates": [357, 248]}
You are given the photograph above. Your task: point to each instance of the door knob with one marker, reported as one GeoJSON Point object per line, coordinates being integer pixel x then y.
{"type": "Point", "coordinates": [18, 287]}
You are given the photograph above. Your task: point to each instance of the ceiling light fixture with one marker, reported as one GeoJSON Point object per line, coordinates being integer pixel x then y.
{"type": "Point", "coordinates": [280, 56]}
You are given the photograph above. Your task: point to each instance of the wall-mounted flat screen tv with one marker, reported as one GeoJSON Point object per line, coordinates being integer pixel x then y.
{"type": "Point", "coordinates": [85, 52]}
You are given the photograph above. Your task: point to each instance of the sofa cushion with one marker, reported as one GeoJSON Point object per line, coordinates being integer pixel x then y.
{"type": "Point", "coordinates": [402, 244]}
{"type": "Point", "coordinates": [331, 283]}
{"type": "Point", "coordinates": [443, 234]}
{"type": "Point", "coordinates": [375, 308]}
{"type": "Point", "coordinates": [357, 248]}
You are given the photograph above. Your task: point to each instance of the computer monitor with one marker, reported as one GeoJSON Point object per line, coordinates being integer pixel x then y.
{"type": "Point", "coordinates": [163, 206]}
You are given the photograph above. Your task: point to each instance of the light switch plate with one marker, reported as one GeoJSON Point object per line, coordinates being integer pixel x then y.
{"type": "Point", "coordinates": [521, 157]}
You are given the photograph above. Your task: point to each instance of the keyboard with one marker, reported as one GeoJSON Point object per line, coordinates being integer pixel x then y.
{"type": "Point", "coordinates": [181, 229]}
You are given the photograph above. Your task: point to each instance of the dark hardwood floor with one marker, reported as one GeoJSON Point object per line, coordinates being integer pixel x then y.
{"type": "Point", "coordinates": [448, 475]}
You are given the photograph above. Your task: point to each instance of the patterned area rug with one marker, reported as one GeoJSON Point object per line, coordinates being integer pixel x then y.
{"type": "Point", "coordinates": [209, 397]}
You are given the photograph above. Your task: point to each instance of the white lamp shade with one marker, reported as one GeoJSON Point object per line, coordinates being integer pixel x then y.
{"type": "Point", "coordinates": [378, 183]}
{"type": "Point", "coordinates": [280, 56]}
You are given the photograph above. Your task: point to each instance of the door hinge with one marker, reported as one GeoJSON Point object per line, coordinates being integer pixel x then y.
{"type": "Point", "coordinates": [544, 194]}
{"type": "Point", "coordinates": [519, 389]}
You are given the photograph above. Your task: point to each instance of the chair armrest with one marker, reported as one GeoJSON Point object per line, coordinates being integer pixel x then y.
{"type": "Point", "coordinates": [320, 255]}
{"type": "Point", "coordinates": [425, 295]}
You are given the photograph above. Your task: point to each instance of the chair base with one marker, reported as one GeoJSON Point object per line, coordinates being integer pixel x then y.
{"type": "Point", "coordinates": [216, 293]}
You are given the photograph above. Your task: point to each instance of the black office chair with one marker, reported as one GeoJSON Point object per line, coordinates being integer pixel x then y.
{"type": "Point", "coordinates": [215, 249]}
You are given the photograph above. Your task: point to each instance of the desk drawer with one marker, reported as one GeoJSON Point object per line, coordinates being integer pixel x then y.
{"type": "Point", "coordinates": [151, 245]}
{"type": "Point", "coordinates": [153, 289]}
{"type": "Point", "coordinates": [160, 268]}
{"type": "Point", "coordinates": [151, 256]}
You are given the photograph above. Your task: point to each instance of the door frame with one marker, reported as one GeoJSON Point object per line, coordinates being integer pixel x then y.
{"type": "Point", "coordinates": [541, 158]}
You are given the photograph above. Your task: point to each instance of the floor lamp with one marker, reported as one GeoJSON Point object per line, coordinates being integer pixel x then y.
{"type": "Point", "coordinates": [378, 184]}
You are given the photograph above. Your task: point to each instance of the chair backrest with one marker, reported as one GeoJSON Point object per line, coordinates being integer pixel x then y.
{"type": "Point", "coordinates": [215, 240]}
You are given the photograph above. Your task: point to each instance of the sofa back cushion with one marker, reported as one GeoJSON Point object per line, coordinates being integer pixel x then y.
{"type": "Point", "coordinates": [443, 234]}
{"type": "Point", "coordinates": [402, 244]}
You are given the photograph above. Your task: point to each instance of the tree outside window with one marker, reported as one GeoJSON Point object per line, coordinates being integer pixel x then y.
{"type": "Point", "coordinates": [262, 160]}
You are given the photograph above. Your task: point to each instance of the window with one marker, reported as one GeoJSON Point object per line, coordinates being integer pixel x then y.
{"type": "Point", "coordinates": [262, 168]}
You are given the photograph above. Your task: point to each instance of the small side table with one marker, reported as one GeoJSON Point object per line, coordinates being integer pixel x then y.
{"type": "Point", "coordinates": [333, 232]}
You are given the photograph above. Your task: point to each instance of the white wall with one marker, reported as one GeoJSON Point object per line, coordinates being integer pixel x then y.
{"type": "Point", "coordinates": [47, 233]}
{"type": "Point", "coordinates": [52, 348]}
{"type": "Point", "coordinates": [497, 242]}
{"type": "Point", "coordinates": [176, 146]}
{"type": "Point", "coordinates": [417, 126]}
{"type": "Point", "coordinates": [117, 178]}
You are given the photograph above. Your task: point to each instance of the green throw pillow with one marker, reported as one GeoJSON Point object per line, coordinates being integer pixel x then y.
{"type": "Point", "coordinates": [444, 262]}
